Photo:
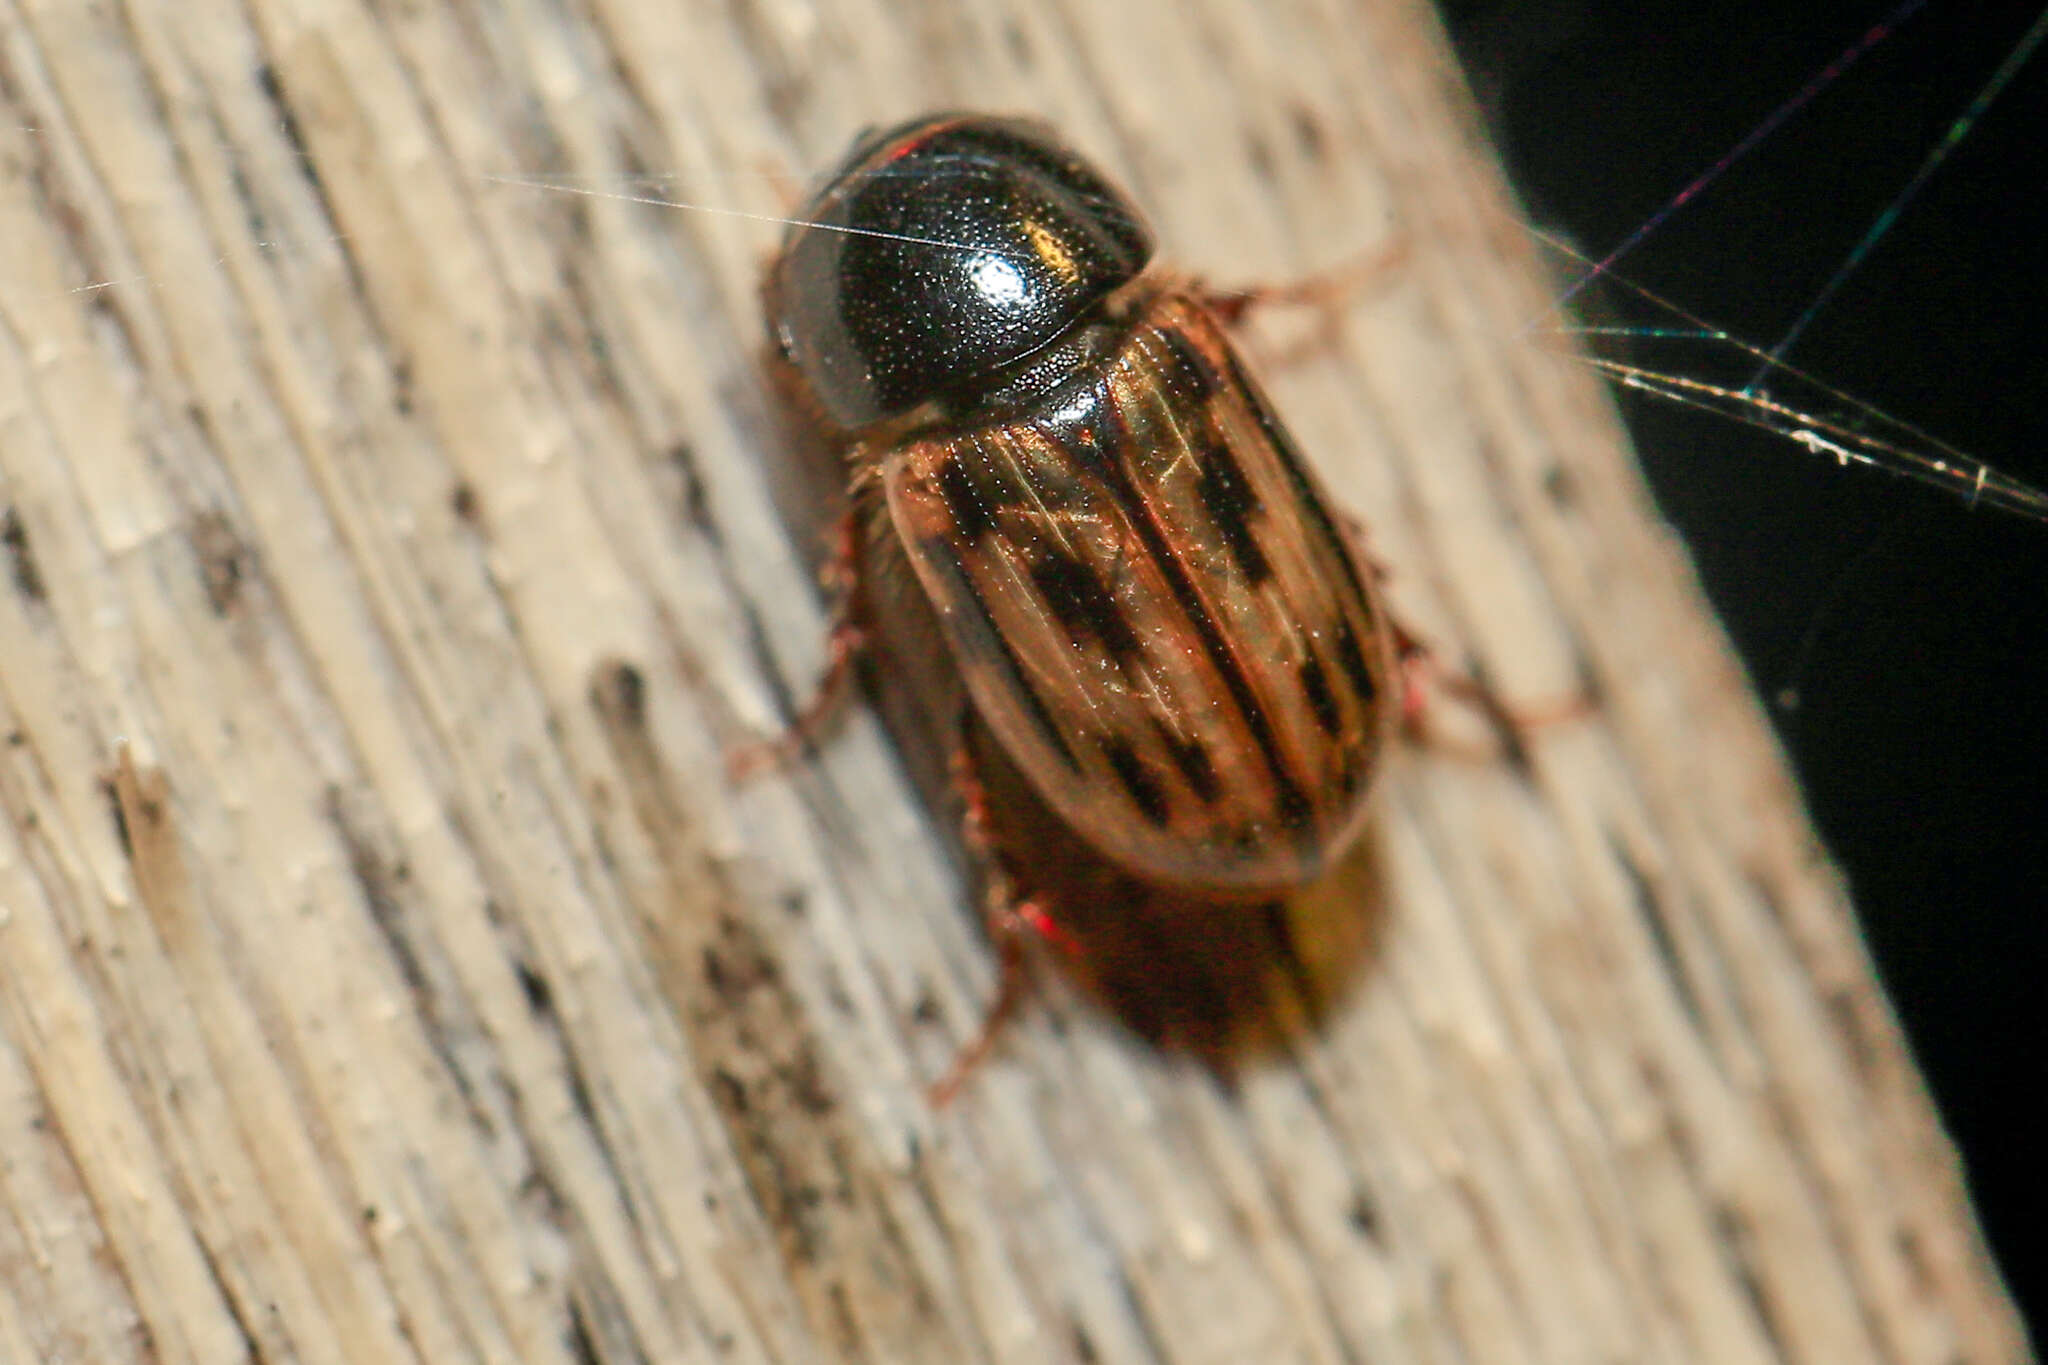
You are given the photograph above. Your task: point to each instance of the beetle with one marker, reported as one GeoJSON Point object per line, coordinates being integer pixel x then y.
{"type": "Point", "coordinates": [1154, 615]}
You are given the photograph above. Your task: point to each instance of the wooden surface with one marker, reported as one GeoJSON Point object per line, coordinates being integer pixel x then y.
{"type": "Point", "coordinates": [388, 972]}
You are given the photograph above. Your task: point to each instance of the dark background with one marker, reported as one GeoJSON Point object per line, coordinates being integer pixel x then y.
{"type": "Point", "coordinates": [1900, 631]}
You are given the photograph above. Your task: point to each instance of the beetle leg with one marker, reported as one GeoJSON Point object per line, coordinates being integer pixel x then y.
{"type": "Point", "coordinates": [1423, 675]}
{"type": "Point", "coordinates": [1327, 289]}
{"type": "Point", "coordinates": [1009, 921]}
{"type": "Point", "coordinates": [1012, 920]}
{"type": "Point", "coordinates": [844, 580]}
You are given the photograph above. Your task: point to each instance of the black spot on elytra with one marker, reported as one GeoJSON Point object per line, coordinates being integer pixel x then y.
{"type": "Point", "coordinates": [1191, 369]}
{"type": "Point", "coordinates": [1232, 504]}
{"type": "Point", "coordinates": [1081, 601]}
{"type": "Point", "coordinates": [1293, 803]}
{"type": "Point", "coordinates": [962, 589]}
{"type": "Point", "coordinates": [1144, 789]}
{"type": "Point", "coordinates": [1180, 583]}
{"type": "Point", "coordinates": [1194, 763]}
{"type": "Point", "coordinates": [1352, 660]}
{"type": "Point", "coordinates": [971, 513]}
{"type": "Point", "coordinates": [1315, 684]}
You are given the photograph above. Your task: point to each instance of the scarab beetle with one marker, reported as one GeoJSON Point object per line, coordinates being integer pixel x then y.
{"type": "Point", "coordinates": [1152, 609]}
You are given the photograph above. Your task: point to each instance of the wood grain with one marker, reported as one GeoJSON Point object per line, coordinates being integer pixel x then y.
{"type": "Point", "coordinates": [388, 971]}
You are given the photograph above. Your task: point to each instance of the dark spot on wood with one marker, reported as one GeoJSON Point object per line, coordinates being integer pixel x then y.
{"type": "Point", "coordinates": [971, 514]}
{"type": "Point", "coordinates": [1654, 917]}
{"type": "Point", "coordinates": [1308, 132]}
{"type": "Point", "coordinates": [619, 691]}
{"type": "Point", "coordinates": [728, 1089]}
{"type": "Point", "coordinates": [401, 385]}
{"type": "Point", "coordinates": [1914, 1255]}
{"type": "Point", "coordinates": [695, 501]}
{"type": "Point", "coordinates": [28, 578]}
{"type": "Point", "coordinates": [1081, 602]}
{"type": "Point", "coordinates": [1559, 485]}
{"type": "Point", "coordinates": [1866, 1054]}
{"type": "Point", "coordinates": [540, 996]}
{"type": "Point", "coordinates": [803, 1077]}
{"type": "Point", "coordinates": [738, 969]}
{"type": "Point", "coordinates": [1315, 685]}
{"type": "Point", "coordinates": [378, 881]}
{"type": "Point", "coordinates": [1364, 1216]}
{"type": "Point", "coordinates": [1138, 782]}
{"type": "Point", "coordinates": [1260, 157]}
{"type": "Point", "coordinates": [122, 833]}
{"type": "Point", "coordinates": [1152, 1341]}
{"type": "Point", "coordinates": [1738, 1246]}
{"type": "Point", "coordinates": [224, 560]}
{"type": "Point", "coordinates": [273, 90]}
{"type": "Point", "coordinates": [1194, 763]}
{"type": "Point", "coordinates": [237, 1308]}
{"type": "Point", "coordinates": [1232, 504]}
{"type": "Point", "coordinates": [582, 1346]}
{"type": "Point", "coordinates": [464, 503]}
{"type": "Point", "coordinates": [1018, 44]}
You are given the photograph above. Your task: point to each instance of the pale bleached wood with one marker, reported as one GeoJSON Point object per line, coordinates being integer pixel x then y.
{"type": "Point", "coordinates": [388, 971]}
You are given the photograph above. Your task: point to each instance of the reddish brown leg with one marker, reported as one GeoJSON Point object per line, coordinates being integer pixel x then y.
{"type": "Point", "coordinates": [1012, 920]}
{"type": "Point", "coordinates": [849, 636]}
{"type": "Point", "coordinates": [1327, 289]}
{"type": "Point", "coordinates": [1008, 922]}
{"type": "Point", "coordinates": [1422, 675]}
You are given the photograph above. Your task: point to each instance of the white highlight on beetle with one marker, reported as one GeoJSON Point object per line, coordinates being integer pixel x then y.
{"type": "Point", "coordinates": [997, 279]}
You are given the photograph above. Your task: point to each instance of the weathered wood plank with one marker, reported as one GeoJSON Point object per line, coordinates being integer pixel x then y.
{"type": "Point", "coordinates": [388, 970]}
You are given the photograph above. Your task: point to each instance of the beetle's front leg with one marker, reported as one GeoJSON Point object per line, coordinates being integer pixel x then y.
{"type": "Point", "coordinates": [1328, 289]}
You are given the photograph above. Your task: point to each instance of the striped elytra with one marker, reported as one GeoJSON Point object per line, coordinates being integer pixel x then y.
{"type": "Point", "coordinates": [1152, 611]}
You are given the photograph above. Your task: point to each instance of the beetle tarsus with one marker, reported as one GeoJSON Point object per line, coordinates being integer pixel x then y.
{"type": "Point", "coordinates": [848, 638]}
{"type": "Point", "coordinates": [1010, 922]}
{"type": "Point", "coordinates": [1423, 675]}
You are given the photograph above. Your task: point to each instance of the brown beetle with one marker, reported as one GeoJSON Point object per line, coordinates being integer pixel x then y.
{"type": "Point", "coordinates": [1157, 621]}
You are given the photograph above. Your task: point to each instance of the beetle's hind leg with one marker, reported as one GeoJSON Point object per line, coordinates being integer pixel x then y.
{"type": "Point", "coordinates": [1012, 918]}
